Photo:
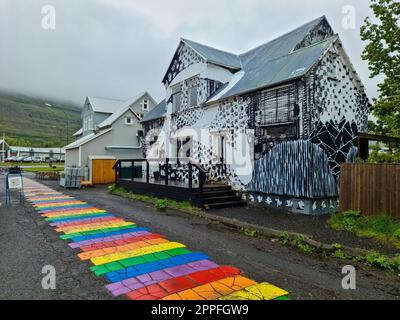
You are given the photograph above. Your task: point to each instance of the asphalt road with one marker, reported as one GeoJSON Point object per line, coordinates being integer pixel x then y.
{"type": "Point", "coordinates": [27, 243]}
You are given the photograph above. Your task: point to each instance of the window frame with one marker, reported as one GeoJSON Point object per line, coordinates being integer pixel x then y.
{"type": "Point", "coordinates": [266, 105]}
{"type": "Point", "coordinates": [145, 105]}
{"type": "Point", "coordinates": [190, 102]}
{"type": "Point", "coordinates": [130, 123]}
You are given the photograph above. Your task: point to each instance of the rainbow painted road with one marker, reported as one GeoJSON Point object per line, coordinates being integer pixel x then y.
{"type": "Point", "coordinates": [137, 263]}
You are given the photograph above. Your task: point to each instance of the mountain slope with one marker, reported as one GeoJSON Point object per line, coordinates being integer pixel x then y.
{"type": "Point", "coordinates": [36, 122]}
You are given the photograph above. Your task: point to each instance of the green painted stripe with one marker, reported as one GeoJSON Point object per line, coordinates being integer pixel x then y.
{"type": "Point", "coordinates": [86, 233]}
{"type": "Point", "coordinates": [59, 218]}
{"type": "Point", "coordinates": [129, 262]}
{"type": "Point", "coordinates": [283, 298]}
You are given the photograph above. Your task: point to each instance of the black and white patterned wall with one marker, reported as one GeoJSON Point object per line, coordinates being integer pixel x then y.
{"type": "Point", "coordinates": [296, 156]}
{"type": "Point", "coordinates": [342, 109]}
{"type": "Point", "coordinates": [184, 57]}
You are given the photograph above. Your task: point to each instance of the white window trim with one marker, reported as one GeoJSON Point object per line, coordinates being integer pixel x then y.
{"type": "Point", "coordinates": [145, 105]}
{"type": "Point", "coordinates": [129, 123]}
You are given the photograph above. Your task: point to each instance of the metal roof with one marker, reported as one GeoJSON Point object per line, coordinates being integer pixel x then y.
{"type": "Point", "coordinates": [124, 107]}
{"type": "Point", "coordinates": [37, 150]}
{"type": "Point", "coordinates": [215, 56]}
{"type": "Point", "coordinates": [156, 113]}
{"type": "Point", "coordinates": [78, 133]}
{"type": "Point", "coordinates": [281, 69]}
{"type": "Point", "coordinates": [104, 105]}
{"type": "Point", "coordinates": [86, 139]}
{"type": "Point", "coordinates": [271, 63]}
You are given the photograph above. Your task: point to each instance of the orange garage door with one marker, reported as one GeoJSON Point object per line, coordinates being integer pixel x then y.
{"type": "Point", "coordinates": [102, 171]}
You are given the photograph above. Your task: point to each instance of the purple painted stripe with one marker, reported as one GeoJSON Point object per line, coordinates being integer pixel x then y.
{"type": "Point", "coordinates": [107, 239]}
{"type": "Point", "coordinates": [144, 280]}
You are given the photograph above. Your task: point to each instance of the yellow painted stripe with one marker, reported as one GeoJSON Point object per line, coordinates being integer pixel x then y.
{"type": "Point", "coordinates": [71, 213]}
{"type": "Point", "coordinates": [260, 291]}
{"type": "Point", "coordinates": [69, 230]}
{"type": "Point", "coordinates": [136, 253]}
{"type": "Point", "coordinates": [128, 247]}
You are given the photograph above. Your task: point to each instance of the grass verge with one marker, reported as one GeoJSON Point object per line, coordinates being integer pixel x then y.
{"type": "Point", "coordinates": [159, 204]}
{"type": "Point", "coordinates": [43, 169]}
{"type": "Point", "coordinates": [382, 227]}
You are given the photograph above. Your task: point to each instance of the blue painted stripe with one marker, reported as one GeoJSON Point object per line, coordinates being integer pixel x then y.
{"type": "Point", "coordinates": [137, 270]}
{"type": "Point", "coordinates": [107, 234]}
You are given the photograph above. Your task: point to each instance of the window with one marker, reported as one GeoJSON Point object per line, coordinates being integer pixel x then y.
{"type": "Point", "coordinates": [90, 123]}
{"type": "Point", "coordinates": [129, 121]}
{"type": "Point", "coordinates": [145, 105]}
{"type": "Point", "coordinates": [176, 101]}
{"type": "Point", "coordinates": [192, 93]}
{"type": "Point", "coordinates": [277, 106]}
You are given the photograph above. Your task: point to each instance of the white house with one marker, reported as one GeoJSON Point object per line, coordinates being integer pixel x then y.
{"type": "Point", "coordinates": [279, 119]}
{"type": "Point", "coordinates": [111, 130]}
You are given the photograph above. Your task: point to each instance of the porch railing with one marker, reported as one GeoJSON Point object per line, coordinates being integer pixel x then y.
{"type": "Point", "coordinates": [164, 165]}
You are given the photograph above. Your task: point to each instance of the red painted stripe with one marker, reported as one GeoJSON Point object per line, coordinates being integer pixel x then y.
{"type": "Point", "coordinates": [168, 287]}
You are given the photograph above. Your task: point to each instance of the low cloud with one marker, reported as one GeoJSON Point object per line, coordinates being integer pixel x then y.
{"type": "Point", "coordinates": [116, 49]}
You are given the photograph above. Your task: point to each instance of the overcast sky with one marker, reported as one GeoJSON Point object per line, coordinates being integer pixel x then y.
{"type": "Point", "coordinates": [118, 48]}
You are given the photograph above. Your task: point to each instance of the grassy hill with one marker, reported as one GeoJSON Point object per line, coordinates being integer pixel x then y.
{"type": "Point", "coordinates": [36, 122]}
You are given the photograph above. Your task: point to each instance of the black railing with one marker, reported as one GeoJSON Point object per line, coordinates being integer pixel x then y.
{"type": "Point", "coordinates": [165, 167]}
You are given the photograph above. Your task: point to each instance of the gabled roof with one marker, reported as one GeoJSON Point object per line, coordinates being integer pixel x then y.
{"type": "Point", "coordinates": [215, 56]}
{"type": "Point", "coordinates": [279, 60]}
{"type": "Point", "coordinates": [78, 133]}
{"type": "Point", "coordinates": [104, 105]}
{"type": "Point", "coordinates": [122, 109]}
{"type": "Point", "coordinates": [156, 113]}
{"type": "Point", "coordinates": [279, 70]}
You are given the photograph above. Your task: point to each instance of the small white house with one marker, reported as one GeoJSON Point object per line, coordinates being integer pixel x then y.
{"type": "Point", "coordinates": [111, 130]}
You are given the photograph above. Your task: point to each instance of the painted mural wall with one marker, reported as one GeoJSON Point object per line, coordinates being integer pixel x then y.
{"type": "Point", "coordinates": [287, 157]}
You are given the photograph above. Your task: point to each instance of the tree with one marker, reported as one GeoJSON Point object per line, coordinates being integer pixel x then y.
{"type": "Point", "coordinates": [383, 55]}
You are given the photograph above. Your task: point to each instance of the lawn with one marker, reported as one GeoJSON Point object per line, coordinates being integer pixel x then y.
{"type": "Point", "coordinates": [43, 169]}
{"type": "Point", "coordinates": [19, 164]}
{"type": "Point", "coordinates": [380, 227]}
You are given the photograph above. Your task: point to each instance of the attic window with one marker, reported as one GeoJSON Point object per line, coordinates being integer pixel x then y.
{"type": "Point", "coordinates": [145, 105]}
{"type": "Point", "coordinates": [129, 121]}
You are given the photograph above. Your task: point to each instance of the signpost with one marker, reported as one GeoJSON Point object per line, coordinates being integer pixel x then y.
{"type": "Point", "coordinates": [14, 185]}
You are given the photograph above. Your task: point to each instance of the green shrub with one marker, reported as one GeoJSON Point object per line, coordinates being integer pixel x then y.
{"type": "Point", "coordinates": [375, 259]}
{"type": "Point", "coordinates": [383, 157]}
{"type": "Point", "coordinates": [111, 188]}
{"type": "Point", "coordinates": [248, 232]}
{"type": "Point", "coordinates": [284, 238]}
{"type": "Point", "coordinates": [297, 242]}
{"type": "Point", "coordinates": [161, 204]}
{"type": "Point", "coordinates": [337, 252]}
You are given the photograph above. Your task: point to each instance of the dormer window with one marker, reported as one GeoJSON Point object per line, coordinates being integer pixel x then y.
{"type": "Point", "coordinates": [129, 121]}
{"type": "Point", "coordinates": [192, 93]}
{"type": "Point", "coordinates": [145, 105]}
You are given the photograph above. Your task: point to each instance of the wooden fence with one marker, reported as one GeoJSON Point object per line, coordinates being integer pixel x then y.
{"type": "Point", "coordinates": [370, 188]}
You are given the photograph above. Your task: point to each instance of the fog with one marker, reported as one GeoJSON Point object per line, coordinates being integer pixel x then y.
{"type": "Point", "coordinates": [118, 48]}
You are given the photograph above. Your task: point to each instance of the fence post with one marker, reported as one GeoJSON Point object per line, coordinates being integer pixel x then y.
{"type": "Point", "coordinates": [166, 171]}
{"type": "Point", "coordinates": [133, 171]}
{"type": "Point", "coordinates": [190, 176]}
{"type": "Point", "coordinates": [116, 171]}
{"type": "Point", "coordinates": [147, 172]}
